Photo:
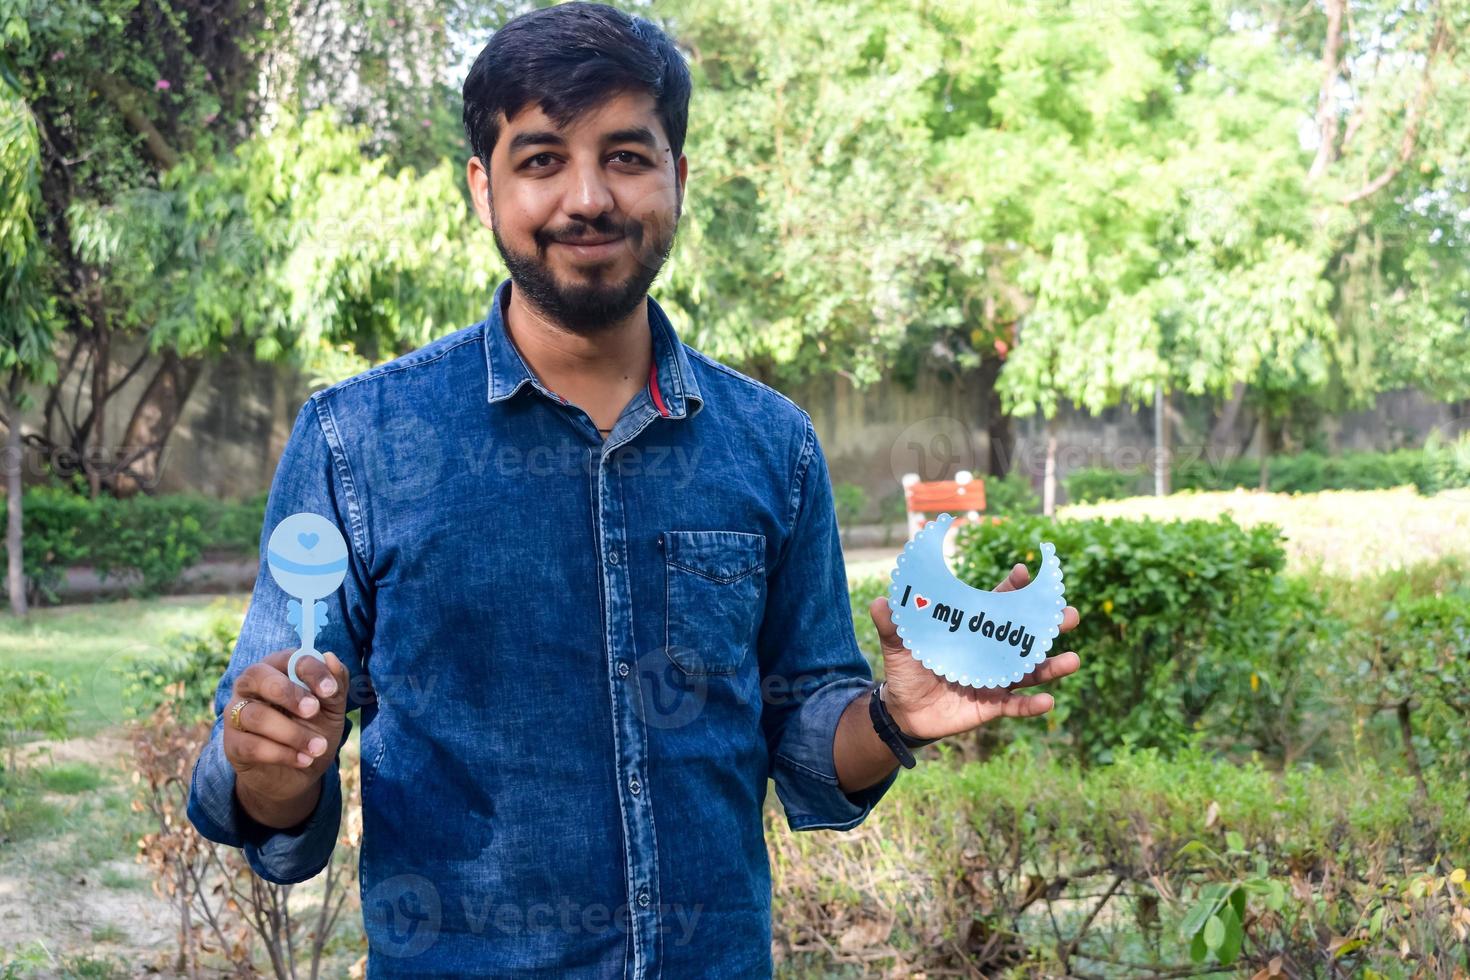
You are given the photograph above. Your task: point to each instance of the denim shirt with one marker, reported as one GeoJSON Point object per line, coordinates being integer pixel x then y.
{"type": "Point", "coordinates": [577, 661]}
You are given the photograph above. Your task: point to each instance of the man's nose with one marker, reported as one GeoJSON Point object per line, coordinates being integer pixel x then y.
{"type": "Point", "coordinates": [587, 194]}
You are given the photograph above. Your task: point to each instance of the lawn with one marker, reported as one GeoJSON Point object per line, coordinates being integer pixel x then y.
{"type": "Point", "coordinates": [89, 646]}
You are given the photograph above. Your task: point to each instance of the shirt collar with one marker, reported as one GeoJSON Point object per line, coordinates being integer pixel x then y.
{"type": "Point", "coordinates": [672, 388]}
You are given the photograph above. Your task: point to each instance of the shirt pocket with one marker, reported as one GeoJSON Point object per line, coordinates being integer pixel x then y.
{"type": "Point", "coordinates": [714, 594]}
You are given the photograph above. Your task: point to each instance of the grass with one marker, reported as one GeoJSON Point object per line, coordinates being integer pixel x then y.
{"type": "Point", "coordinates": [86, 645]}
{"type": "Point", "coordinates": [1339, 532]}
{"type": "Point", "coordinates": [71, 778]}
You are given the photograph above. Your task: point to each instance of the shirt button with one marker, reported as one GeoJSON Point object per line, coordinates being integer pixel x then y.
{"type": "Point", "coordinates": [612, 556]}
{"type": "Point", "coordinates": [634, 786]}
{"type": "Point", "coordinates": [643, 899]}
{"type": "Point", "coordinates": [622, 669]}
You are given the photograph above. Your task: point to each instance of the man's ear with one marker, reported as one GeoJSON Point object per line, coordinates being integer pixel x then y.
{"type": "Point", "coordinates": [476, 170]}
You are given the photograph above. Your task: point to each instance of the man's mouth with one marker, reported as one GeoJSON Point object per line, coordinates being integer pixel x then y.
{"type": "Point", "coordinates": [596, 249]}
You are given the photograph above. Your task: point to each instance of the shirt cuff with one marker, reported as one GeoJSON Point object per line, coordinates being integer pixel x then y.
{"type": "Point", "coordinates": [283, 856]}
{"type": "Point", "coordinates": [806, 773]}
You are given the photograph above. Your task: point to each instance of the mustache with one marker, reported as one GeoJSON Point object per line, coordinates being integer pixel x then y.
{"type": "Point", "coordinates": [603, 228]}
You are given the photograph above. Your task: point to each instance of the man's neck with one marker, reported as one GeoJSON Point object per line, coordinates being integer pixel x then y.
{"type": "Point", "coordinates": [598, 373]}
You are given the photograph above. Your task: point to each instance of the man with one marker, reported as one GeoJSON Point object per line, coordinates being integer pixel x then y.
{"type": "Point", "coordinates": [595, 596]}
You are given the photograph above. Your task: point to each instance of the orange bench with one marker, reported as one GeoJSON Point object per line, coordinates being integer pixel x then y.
{"type": "Point", "coordinates": [964, 497]}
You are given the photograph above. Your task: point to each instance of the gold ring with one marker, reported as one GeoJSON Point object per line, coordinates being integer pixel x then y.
{"type": "Point", "coordinates": [235, 713]}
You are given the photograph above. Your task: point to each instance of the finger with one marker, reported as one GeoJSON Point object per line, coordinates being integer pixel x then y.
{"type": "Point", "coordinates": [883, 619]}
{"type": "Point", "coordinates": [328, 684]}
{"type": "Point", "coordinates": [265, 683]}
{"type": "Point", "coordinates": [1050, 669]}
{"type": "Point", "coordinates": [259, 718]}
{"type": "Point", "coordinates": [255, 750]}
{"type": "Point", "coordinates": [1027, 705]}
{"type": "Point", "coordinates": [1070, 618]}
{"type": "Point", "coordinates": [1017, 578]}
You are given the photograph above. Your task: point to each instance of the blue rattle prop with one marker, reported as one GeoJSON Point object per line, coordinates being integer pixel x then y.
{"type": "Point", "coordinates": [308, 559]}
{"type": "Point", "coordinates": [967, 635]}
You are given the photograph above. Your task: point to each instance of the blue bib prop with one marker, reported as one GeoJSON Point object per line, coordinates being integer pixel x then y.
{"type": "Point", "coordinates": [967, 635]}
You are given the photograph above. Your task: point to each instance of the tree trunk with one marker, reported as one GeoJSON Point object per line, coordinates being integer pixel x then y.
{"type": "Point", "coordinates": [1162, 461]}
{"type": "Point", "coordinates": [1049, 479]}
{"type": "Point", "coordinates": [15, 576]}
{"type": "Point", "coordinates": [1000, 435]}
{"type": "Point", "coordinates": [1222, 432]}
{"type": "Point", "coordinates": [152, 422]}
{"type": "Point", "coordinates": [96, 456]}
{"type": "Point", "coordinates": [1263, 447]}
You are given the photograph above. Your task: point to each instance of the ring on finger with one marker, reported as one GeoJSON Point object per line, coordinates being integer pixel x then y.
{"type": "Point", "coordinates": [235, 713]}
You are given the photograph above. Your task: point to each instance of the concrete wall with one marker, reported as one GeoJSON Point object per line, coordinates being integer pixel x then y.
{"type": "Point", "coordinates": [241, 411]}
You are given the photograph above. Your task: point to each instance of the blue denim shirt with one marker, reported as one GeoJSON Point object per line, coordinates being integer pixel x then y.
{"type": "Point", "coordinates": [577, 661]}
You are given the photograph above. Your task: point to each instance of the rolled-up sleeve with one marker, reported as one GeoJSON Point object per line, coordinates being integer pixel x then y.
{"type": "Point", "coordinates": [313, 475]}
{"type": "Point", "coordinates": [811, 665]}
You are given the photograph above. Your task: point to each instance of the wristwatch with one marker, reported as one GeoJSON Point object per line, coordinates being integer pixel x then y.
{"type": "Point", "coordinates": [893, 736]}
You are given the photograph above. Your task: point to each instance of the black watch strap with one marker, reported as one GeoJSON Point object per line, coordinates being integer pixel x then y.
{"type": "Point", "coordinates": [894, 737]}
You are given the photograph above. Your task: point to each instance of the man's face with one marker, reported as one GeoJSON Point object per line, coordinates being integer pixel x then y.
{"type": "Point", "coordinates": [608, 181]}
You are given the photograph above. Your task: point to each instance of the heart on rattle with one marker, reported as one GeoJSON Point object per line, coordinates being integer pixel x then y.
{"type": "Point", "coordinates": [308, 539]}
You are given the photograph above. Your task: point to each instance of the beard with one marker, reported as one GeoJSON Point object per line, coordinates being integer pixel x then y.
{"type": "Point", "coordinates": [599, 302]}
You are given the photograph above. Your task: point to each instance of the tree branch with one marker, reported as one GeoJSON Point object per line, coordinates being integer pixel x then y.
{"type": "Point", "coordinates": [128, 101]}
{"type": "Point", "coordinates": [1326, 111]}
{"type": "Point", "coordinates": [1413, 117]}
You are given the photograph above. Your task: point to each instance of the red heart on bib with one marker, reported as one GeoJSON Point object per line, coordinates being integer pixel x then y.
{"type": "Point", "coordinates": [920, 601]}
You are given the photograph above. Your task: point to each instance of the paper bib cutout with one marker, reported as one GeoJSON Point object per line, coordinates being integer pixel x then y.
{"type": "Point", "coordinates": [308, 559]}
{"type": "Point", "coordinates": [967, 635]}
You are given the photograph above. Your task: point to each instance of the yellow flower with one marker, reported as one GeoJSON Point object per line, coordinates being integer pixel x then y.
{"type": "Point", "coordinates": [1255, 681]}
{"type": "Point", "coordinates": [1108, 606]}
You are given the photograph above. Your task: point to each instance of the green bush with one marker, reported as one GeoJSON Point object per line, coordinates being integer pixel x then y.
{"type": "Point", "coordinates": [187, 677]}
{"type": "Point", "coordinates": [849, 501]}
{"type": "Point", "coordinates": [1438, 466]}
{"type": "Point", "coordinates": [1404, 659]}
{"type": "Point", "coordinates": [1089, 484]}
{"type": "Point", "coordinates": [1011, 494]}
{"type": "Point", "coordinates": [1175, 617]}
{"type": "Point", "coordinates": [32, 703]}
{"type": "Point", "coordinates": [154, 538]}
{"type": "Point", "coordinates": [1029, 864]}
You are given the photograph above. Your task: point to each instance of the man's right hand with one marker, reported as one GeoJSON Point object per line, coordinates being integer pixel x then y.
{"type": "Point", "coordinates": [290, 737]}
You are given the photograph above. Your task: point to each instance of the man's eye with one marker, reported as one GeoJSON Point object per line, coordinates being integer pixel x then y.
{"type": "Point", "coordinates": [530, 162]}
{"type": "Point", "coordinates": [632, 157]}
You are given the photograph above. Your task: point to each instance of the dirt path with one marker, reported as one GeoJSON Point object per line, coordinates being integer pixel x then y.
{"type": "Point", "coordinates": [56, 905]}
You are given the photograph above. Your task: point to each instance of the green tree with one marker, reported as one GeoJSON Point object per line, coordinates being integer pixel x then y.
{"type": "Point", "coordinates": [27, 320]}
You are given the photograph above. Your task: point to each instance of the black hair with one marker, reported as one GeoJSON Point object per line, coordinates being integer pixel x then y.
{"type": "Point", "coordinates": [571, 58]}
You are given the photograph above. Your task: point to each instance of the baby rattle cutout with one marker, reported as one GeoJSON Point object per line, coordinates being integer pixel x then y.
{"type": "Point", "coordinates": [308, 559]}
{"type": "Point", "coordinates": [967, 635]}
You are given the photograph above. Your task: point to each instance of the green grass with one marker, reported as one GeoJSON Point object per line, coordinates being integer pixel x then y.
{"type": "Point", "coordinates": [85, 646]}
{"type": "Point", "coordinates": [71, 778]}
{"type": "Point", "coordinates": [1341, 532]}
{"type": "Point", "coordinates": [118, 881]}
{"type": "Point", "coordinates": [104, 828]}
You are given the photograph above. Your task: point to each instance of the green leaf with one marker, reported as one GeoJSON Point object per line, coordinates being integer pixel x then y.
{"type": "Point", "coordinates": [1214, 932]}
{"type": "Point", "coordinates": [1229, 946]}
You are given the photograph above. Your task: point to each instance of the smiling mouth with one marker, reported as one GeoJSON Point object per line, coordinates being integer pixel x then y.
{"type": "Point", "coordinates": [590, 242]}
{"type": "Point", "coordinates": [594, 251]}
